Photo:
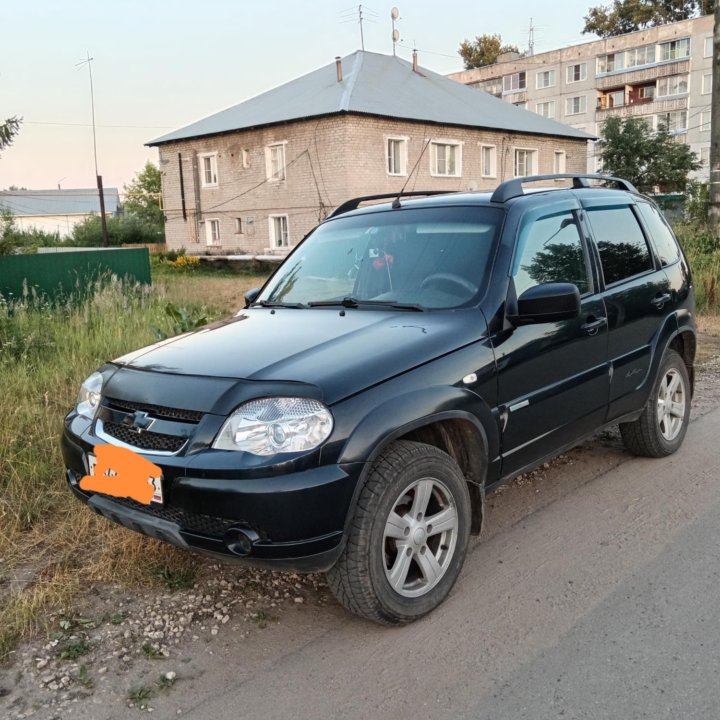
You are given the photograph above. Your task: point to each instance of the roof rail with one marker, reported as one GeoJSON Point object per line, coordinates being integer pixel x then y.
{"type": "Point", "coordinates": [354, 203]}
{"type": "Point", "coordinates": [514, 188]}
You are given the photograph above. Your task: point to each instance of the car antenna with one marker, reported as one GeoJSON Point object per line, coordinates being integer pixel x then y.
{"type": "Point", "coordinates": [396, 201]}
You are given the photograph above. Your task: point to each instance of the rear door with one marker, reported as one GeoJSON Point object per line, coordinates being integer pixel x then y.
{"type": "Point", "coordinates": [553, 376]}
{"type": "Point", "coordinates": [636, 294]}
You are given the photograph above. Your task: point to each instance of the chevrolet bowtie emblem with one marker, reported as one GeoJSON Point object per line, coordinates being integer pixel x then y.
{"type": "Point", "coordinates": [139, 421]}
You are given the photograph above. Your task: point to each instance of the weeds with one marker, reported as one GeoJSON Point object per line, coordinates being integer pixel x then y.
{"type": "Point", "coordinates": [75, 650]}
{"type": "Point", "coordinates": [262, 618]}
{"type": "Point", "coordinates": [152, 652]}
{"type": "Point", "coordinates": [180, 578]}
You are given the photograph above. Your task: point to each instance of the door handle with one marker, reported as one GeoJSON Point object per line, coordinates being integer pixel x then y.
{"type": "Point", "coordinates": [660, 299]}
{"type": "Point", "coordinates": [593, 325]}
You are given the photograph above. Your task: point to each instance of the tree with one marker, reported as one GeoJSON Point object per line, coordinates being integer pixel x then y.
{"type": "Point", "coordinates": [143, 196]}
{"type": "Point", "coordinates": [630, 149]}
{"type": "Point", "coordinates": [484, 50]}
{"type": "Point", "coordinates": [8, 130]}
{"type": "Point", "coordinates": [625, 16]}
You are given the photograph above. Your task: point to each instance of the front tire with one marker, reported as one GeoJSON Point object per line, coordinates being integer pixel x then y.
{"type": "Point", "coordinates": [661, 428]}
{"type": "Point", "coordinates": [408, 538]}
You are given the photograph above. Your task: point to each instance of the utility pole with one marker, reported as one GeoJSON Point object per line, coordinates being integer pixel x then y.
{"type": "Point", "coordinates": [714, 209]}
{"type": "Point", "coordinates": [98, 177]}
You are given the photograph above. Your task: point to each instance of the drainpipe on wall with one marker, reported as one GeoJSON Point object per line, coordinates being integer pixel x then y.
{"type": "Point", "coordinates": [196, 195]}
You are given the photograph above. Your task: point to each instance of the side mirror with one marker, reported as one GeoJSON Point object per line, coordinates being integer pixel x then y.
{"type": "Point", "coordinates": [549, 302]}
{"type": "Point", "coordinates": [251, 296]}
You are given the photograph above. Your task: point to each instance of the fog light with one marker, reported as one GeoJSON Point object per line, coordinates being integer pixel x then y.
{"type": "Point", "coordinates": [239, 541]}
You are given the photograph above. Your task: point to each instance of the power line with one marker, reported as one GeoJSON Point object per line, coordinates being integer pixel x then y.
{"type": "Point", "coordinates": [68, 124]}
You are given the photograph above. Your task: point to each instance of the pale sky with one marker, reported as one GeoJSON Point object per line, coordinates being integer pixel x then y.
{"type": "Point", "coordinates": [161, 64]}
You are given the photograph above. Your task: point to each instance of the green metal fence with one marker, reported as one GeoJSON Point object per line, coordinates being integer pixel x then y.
{"type": "Point", "coordinates": [59, 275]}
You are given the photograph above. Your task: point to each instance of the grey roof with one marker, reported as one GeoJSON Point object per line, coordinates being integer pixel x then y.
{"type": "Point", "coordinates": [35, 203]}
{"type": "Point", "coordinates": [375, 84]}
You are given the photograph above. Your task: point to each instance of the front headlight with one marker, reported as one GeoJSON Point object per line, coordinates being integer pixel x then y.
{"type": "Point", "coordinates": [89, 396]}
{"type": "Point", "coordinates": [276, 425]}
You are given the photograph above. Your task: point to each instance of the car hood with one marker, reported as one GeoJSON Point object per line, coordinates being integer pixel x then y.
{"type": "Point", "coordinates": [339, 352]}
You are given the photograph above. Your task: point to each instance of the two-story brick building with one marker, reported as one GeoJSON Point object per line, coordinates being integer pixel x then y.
{"type": "Point", "coordinates": [255, 178]}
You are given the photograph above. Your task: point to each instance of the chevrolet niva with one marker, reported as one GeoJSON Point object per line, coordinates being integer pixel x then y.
{"type": "Point", "coordinates": [404, 359]}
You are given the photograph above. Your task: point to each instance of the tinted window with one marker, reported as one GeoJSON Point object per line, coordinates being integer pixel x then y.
{"type": "Point", "coordinates": [623, 249]}
{"type": "Point", "coordinates": [550, 250]}
{"type": "Point", "coordinates": [662, 236]}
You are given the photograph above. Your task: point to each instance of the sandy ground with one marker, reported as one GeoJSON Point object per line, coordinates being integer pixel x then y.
{"type": "Point", "coordinates": [245, 643]}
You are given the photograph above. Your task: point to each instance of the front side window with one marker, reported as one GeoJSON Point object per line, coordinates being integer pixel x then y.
{"type": "Point", "coordinates": [488, 159]}
{"type": "Point", "coordinates": [665, 244]}
{"type": "Point", "coordinates": [396, 156]}
{"type": "Point", "coordinates": [675, 49]}
{"type": "Point", "coordinates": [275, 161]}
{"type": "Point", "coordinates": [576, 105]}
{"type": "Point", "coordinates": [524, 162]}
{"type": "Point", "coordinates": [279, 231]}
{"type": "Point", "coordinates": [576, 73]}
{"type": "Point", "coordinates": [445, 159]}
{"type": "Point", "coordinates": [623, 249]}
{"type": "Point", "coordinates": [550, 250]}
{"type": "Point", "coordinates": [429, 257]}
{"type": "Point", "coordinates": [208, 170]}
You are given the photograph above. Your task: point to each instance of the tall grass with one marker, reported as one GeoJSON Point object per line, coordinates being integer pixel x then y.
{"type": "Point", "coordinates": [45, 353]}
{"type": "Point", "coordinates": [703, 254]}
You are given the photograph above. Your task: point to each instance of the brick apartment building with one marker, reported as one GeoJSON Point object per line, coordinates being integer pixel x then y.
{"type": "Point", "coordinates": [255, 178]}
{"type": "Point", "coordinates": [663, 74]}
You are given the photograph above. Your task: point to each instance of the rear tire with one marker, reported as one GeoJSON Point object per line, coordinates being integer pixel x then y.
{"type": "Point", "coordinates": [661, 428]}
{"type": "Point", "coordinates": [408, 538]}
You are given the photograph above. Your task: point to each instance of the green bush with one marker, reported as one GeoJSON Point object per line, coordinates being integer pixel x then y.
{"type": "Point", "coordinates": [703, 253]}
{"type": "Point", "coordinates": [14, 240]}
{"type": "Point", "coordinates": [122, 230]}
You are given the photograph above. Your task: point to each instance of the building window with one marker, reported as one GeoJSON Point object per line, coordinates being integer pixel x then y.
{"type": "Point", "coordinates": [245, 154]}
{"type": "Point", "coordinates": [673, 85]}
{"type": "Point", "coordinates": [397, 156]}
{"type": "Point", "coordinates": [675, 121]}
{"type": "Point", "coordinates": [610, 63]}
{"type": "Point", "coordinates": [275, 162]}
{"type": "Point", "coordinates": [279, 231]}
{"type": "Point", "coordinates": [576, 105]}
{"type": "Point", "coordinates": [559, 162]}
{"type": "Point", "coordinates": [576, 73]}
{"type": "Point", "coordinates": [545, 79]}
{"type": "Point", "coordinates": [524, 165]}
{"type": "Point", "coordinates": [707, 83]}
{"type": "Point", "coordinates": [445, 159]}
{"type": "Point", "coordinates": [488, 160]}
{"type": "Point", "coordinates": [238, 226]}
{"type": "Point", "coordinates": [675, 49]}
{"type": "Point", "coordinates": [208, 170]}
{"type": "Point", "coordinates": [640, 56]}
{"type": "Point", "coordinates": [513, 83]}
{"type": "Point", "coordinates": [212, 232]}
{"type": "Point", "coordinates": [705, 156]}
{"type": "Point", "coordinates": [708, 49]}
{"type": "Point", "coordinates": [705, 121]}
{"type": "Point", "coordinates": [546, 109]}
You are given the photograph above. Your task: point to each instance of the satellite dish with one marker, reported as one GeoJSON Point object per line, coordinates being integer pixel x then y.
{"type": "Point", "coordinates": [396, 35]}
{"type": "Point", "coordinates": [394, 13]}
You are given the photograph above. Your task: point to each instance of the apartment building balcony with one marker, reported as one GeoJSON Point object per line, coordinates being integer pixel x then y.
{"type": "Point", "coordinates": [515, 96]}
{"type": "Point", "coordinates": [642, 106]}
{"type": "Point", "coordinates": [634, 77]}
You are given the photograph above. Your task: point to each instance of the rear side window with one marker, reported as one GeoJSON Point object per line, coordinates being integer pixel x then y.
{"type": "Point", "coordinates": [665, 244]}
{"type": "Point", "coordinates": [623, 249]}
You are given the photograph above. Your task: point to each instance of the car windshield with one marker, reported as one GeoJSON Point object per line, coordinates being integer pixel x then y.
{"type": "Point", "coordinates": [417, 259]}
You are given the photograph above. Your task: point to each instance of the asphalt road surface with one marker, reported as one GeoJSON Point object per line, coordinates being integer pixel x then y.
{"type": "Point", "coordinates": [601, 601]}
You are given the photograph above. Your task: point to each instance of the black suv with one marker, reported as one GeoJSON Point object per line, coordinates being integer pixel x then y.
{"type": "Point", "coordinates": [404, 359]}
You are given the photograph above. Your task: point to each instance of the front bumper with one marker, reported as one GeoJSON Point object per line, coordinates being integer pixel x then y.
{"type": "Point", "coordinates": [291, 521]}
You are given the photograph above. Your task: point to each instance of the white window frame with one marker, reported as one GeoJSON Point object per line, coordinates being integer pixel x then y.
{"type": "Point", "coordinates": [212, 239]}
{"type": "Point", "coordinates": [239, 226]}
{"type": "Point", "coordinates": [281, 175]}
{"type": "Point", "coordinates": [705, 120]}
{"type": "Point", "coordinates": [510, 87]}
{"type": "Point", "coordinates": [550, 105]}
{"type": "Point", "coordinates": [582, 104]}
{"type": "Point", "coordinates": [583, 73]}
{"type": "Point", "coordinates": [672, 130]}
{"type": "Point", "coordinates": [618, 63]}
{"type": "Point", "coordinates": [533, 154]}
{"type": "Point", "coordinates": [634, 54]}
{"type": "Point", "coordinates": [402, 171]}
{"type": "Point", "coordinates": [674, 55]}
{"type": "Point", "coordinates": [551, 75]}
{"type": "Point", "coordinates": [708, 47]}
{"type": "Point", "coordinates": [560, 162]}
{"type": "Point", "coordinates": [670, 81]}
{"type": "Point", "coordinates": [706, 83]}
{"type": "Point", "coordinates": [493, 161]}
{"type": "Point", "coordinates": [282, 242]}
{"type": "Point", "coordinates": [434, 144]}
{"type": "Point", "coordinates": [212, 158]}
{"type": "Point", "coordinates": [245, 155]}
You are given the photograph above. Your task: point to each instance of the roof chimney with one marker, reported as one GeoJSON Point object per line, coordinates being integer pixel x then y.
{"type": "Point", "coordinates": [414, 60]}
{"type": "Point", "coordinates": [338, 67]}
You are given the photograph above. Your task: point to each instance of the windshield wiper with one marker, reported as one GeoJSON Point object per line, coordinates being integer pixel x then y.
{"type": "Point", "coordinates": [351, 302]}
{"type": "Point", "coordinates": [265, 303]}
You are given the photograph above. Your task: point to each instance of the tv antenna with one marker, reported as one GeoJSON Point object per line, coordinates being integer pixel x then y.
{"type": "Point", "coordinates": [531, 38]}
{"type": "Point", "coordinates": [395, 15]}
